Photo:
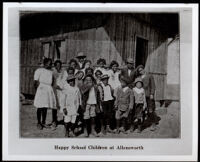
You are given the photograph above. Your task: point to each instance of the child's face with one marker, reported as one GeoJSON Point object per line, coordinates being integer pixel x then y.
{"type": "Point", "coordinates": [49, 64]}
{"type": "Point", "coordinates": [58, 66]}
{"type": "Point", "coordinates": [71, 72]}
{"type": "Point", "coordinates": [114, 67]}
{"type": "Point", "coordinates": [98, 75]}
{"type": "Point", "coordinates": [139, 85]}
{"type": "Point", "coordinates": [141, 71]}
{"type": "Point", "coordinates": [71, 83]}
{"type": "Point", "coordinates": [89, 72]}
{"type": "Point", "coordinates": [105, 81]}
{"type": "Point", "coordinates": [129, 65]}
{"type": "Point", "coordinates": [73, 64]}
{"type": "Point", "coordinates": [87, 65]}
{"type": "Point", "coordinates": [123, 83]}
{"type": "Point", "coordinates": [101, 64]}
{"type": "Point", "coordinates": [88, 81]}
{"type": "Point", "coordinates": [80, 75]}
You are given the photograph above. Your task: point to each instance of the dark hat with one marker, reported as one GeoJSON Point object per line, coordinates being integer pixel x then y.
{"type": "Point", "coordinates": [105, 76]}
{"type": "Point", "coordinates": [138, 80]}
{"type": "Point", "coordinates": [130, 60]}
{"type": "Point", "coordinates": [80, 54]}
{"type": "Point", "coordinates": [71, 77]}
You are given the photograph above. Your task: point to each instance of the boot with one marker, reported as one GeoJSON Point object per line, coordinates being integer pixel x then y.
{"type": "Point", "coordinates": [117, 125]}
{"type": "Point", "coordinates": [72, 130]}
{"type": "Point", "coordinates": [108, 130]}
{"type": "Point", "coordinates": [66, 129]}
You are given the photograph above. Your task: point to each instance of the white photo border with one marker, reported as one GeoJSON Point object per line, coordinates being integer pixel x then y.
{"type": "Point", "coordinates": [183, 149]}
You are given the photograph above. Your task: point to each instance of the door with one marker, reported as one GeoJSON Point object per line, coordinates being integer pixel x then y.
{"type": "Point", "coordinates": [141, 51]}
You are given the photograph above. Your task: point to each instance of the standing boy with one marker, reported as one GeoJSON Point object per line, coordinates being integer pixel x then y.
{"type": "Point", "coordinates": [123, 104]}
{"type": "Point", "coordinates": [72, 101]}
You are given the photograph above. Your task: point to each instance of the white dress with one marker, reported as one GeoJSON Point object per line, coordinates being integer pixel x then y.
{"type": "Point", "coordinates": [44, 97]}
{"type": "Point", "coordinates": [114, 79]}
{"type": "Point", "coordinates": [60, 79]}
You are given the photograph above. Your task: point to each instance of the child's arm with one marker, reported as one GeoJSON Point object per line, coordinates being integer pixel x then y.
{"type": "Point", "coordinates": [131, 100]}
{"type": "Point", "coordinates": [152, 87]}
{"type": "Point", "coordinates": [116, 100]}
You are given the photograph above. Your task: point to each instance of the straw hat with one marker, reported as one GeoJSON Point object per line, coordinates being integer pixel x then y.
{"type": "Point", "coordinates": [104, 77]}
{"type": "Point", "coordinates": [71, 77]}
{"type": "Point", "coordinates": [80, 55]}
{"type": "Point", "coordinates": [130, 60]}
{"type": "Point", "coordinates": [138, 80]}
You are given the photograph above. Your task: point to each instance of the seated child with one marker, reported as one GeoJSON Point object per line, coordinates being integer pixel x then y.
{"type": "Point", "coordinates": [72, 101]}
{"type": "Point", "coordinates": [107, 103]}
{"type": "Point", "coordinates": [140, 103]}
{"type": "Point", "coordinates": [123, 104]}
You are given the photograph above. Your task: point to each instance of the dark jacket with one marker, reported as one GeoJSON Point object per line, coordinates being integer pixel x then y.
{"type": "Point", "coordinates": [85, 95]}
{"type": "Point", "coordinates": [130, 78]}
{"type": "Point", "coordinates": [149, 85]}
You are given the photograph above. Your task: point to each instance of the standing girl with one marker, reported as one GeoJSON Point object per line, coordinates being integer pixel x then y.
{"type": "Point", "coordinates": [60, 76]}
{"type": "Point", "coordinates": [44, 97]}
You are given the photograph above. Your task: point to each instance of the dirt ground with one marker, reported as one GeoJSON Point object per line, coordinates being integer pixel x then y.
{"type": "Point", "coordinates": [168, 127]}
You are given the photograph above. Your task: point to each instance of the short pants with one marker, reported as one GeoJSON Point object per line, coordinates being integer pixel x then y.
{"type": "Point", "coordinates": [90, 111]}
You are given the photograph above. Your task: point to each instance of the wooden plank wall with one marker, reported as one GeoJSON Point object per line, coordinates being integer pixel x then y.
{"type": "Point", "coordinates": [114, 40]}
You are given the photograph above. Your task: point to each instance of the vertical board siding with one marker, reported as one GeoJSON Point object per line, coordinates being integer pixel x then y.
{"type": "Point", "coordinates": [114, 40]}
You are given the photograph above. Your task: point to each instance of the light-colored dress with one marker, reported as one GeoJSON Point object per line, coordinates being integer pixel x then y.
{"type": "Point", "coordinates": [114, 79]}
{"type": "Point", "coordinates": [60, 79]}
{"type": "Point", "coordinates": [44, 97]}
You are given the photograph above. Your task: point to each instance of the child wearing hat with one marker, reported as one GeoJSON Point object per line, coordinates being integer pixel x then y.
{"type": "Point", "coordinates": [90, 104]}
{"type": "Point", "coordinates": [81, 59]}
{"type": "Point", "coordinates": [140, 103]}
{"type": "Point", "coordinates": [123, 104]}
{"type": "Point", "coordinates": [72, 101]}
{"type": "Point", "coordinates": [107, 103]}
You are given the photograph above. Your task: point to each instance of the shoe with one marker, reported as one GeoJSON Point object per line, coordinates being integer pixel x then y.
{"type": "Point", "coordinates": [94, 134]}
{"type": "Point", "coordinates": [46, 126]}
{"type": "Point", "coordinates": [100, 134]}
{"type": "Point", "coordinates": [108, 129]}
{"type": "Point", "coordinates": [71, 134]}
{"type": "Point", "coordinates": [39, 126]}
{"type": "Point", "coordinates": [116, 131]}
{"type": "Point", "coordinates": [153, 127]}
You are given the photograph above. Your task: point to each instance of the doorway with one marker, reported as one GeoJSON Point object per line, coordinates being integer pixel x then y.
{"type": "Point", "coordinates": [141, 51]}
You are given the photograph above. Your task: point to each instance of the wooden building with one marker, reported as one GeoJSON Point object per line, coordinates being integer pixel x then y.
{"type": "Point", "coordinates": [113, 36]}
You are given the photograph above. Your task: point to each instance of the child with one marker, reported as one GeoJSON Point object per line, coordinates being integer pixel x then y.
{"type": "Point", "coordinates": [60, 76]}
{"type": "Point", "coordinates": [70, 71]}
{"type": "Point", "coordinates": [79, 78]}
{"type": "Point", "coordinates": [140, 103]}
{"type": "Point", "coordinates": [114, 75]}
{"type": "Point", "coordinates": [89, 71]}
{"type": "Point", "coordinates": [72, 101]}
{"type": "Point", "coordinates": [86, 64]}
{"type": "Point", "coordinates": [98, 75]}
{"type": "Point", "coordinates": [74, 64]}
{"type": "Point", "coordinates": [107, 103]}
{"type": "Point", "coordinates": [44, 97]}
{"type": "Point", "coordinates": [123, 104]}
{"type": "Point", "coordinates": [90, 104]}
{"type": "Point", "coordinates": [101, 63]}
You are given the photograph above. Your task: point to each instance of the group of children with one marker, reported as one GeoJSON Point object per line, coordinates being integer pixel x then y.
{"type": "Point", "coordinates": [93, 101]}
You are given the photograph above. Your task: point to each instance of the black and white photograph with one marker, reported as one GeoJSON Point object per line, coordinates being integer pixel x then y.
{"type": "Point", "coordinates": [117, 81]}
{"type": "Point", "coordinates": [101, 75]}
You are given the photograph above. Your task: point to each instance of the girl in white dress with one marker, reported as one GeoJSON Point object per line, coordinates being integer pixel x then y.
{"type": "Point", "coordinates": [44, 97]}
{"type": "Point", "coordinates": [60, 76]}
{"type": "Point", "coordinates": [114, 75]}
